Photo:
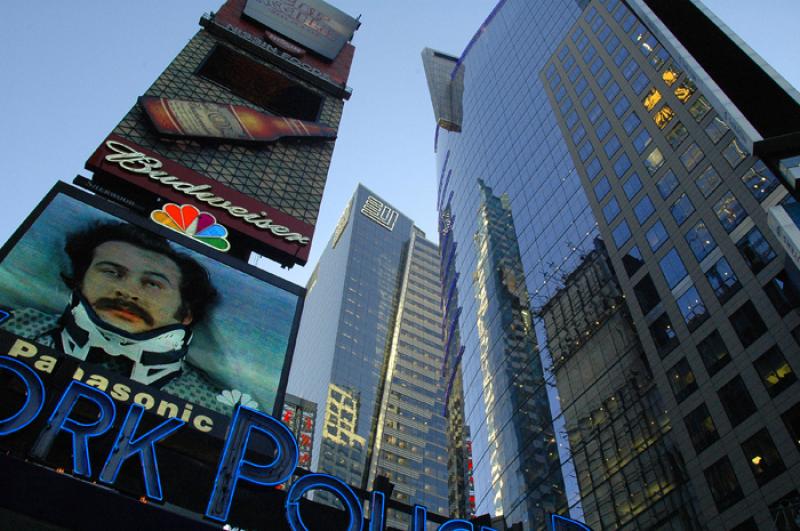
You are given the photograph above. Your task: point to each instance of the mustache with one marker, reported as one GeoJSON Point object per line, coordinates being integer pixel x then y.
{"type": "Point", "coordinates": [125, 306]}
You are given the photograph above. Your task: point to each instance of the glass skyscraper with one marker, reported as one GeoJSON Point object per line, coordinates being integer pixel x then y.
{"type": "Point", "coordinates": [662, 308]}
{"type": "Point", "coordinates": [369, 352]}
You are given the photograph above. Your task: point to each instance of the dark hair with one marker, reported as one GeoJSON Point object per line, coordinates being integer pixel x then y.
{"type": "Point", "coordinates": [197, 292]}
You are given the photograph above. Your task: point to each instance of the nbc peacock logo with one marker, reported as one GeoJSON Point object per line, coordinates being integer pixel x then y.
{"type": "Point", "coordinates": [190, 221]}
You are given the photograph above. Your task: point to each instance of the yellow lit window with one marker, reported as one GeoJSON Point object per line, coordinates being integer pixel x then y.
{"type": "Point", "coordinates": [685, 90]}
{"type": "Point", "coordinates": [670, 76]}
{"type": "Point", "coordinates": [652, 98]}
{"type": "Point", "coordinates": [663, 116]}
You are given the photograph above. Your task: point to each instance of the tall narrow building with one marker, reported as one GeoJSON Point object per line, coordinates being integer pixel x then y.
{"type": "Point", "coordinates": [370, 353]}
{"type": "Point", "coordinates": [640, 146]}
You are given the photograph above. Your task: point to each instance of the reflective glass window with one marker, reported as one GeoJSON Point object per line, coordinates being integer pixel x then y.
{"type": "Point", "coordinates": [593, 168]}
{"type": "Point", "coordinates": [723, 280]}
{"type": "Point", "coordinates": [603, 128]}
{"type": "Point", "coordinates": [602, 188]}
{"type": "Point", "coordinates": [631, 122]}
{"type": "Point", "coordinates": [723, 484]}
{"type": "Point", "coordinates": [569, 62]}
{"type": "Point", "coordinates": [667, 184]}
{"type": "Point", "coordinates": [702, 430]}
{"type": "Point", "coordinates": [792, 421]}
{"type": "Point", "coordinates": [612, 146]}
{"type": "Point", "coordinates": [646, 294]}
{"type": "Point", "coordinates": [759, 181]}
{"type": "Point", "coordinates": [581, 85]}
{"type": "Point", "coordinates": [585, 150]}
{"type": "Point", "coordinates": [663, 116]}
{"type": "Point", "coordinates": [755, 250]}
{"type": "Point", "coordinates": [604, 33]}
{"type": "Point", "coordinates": [596, 24]}
{"type": "Point", "coordinates": [658, 59]}
{"type": "Point", "coordinates": [632, 186]}
{"type": "Point", "coordinates": [677, 135]}
{"type": "Point", "coordinates": [644, 209]}
{"type": "Point", "coordinates": [581, 45]}
{"type": "Point", "coordinates": [611, 210]}
{"type": "Point", "coordinates": [708, 181]}
{"type": "Point", "coordinates": [577, 34]}
{"type": "Point", "coordinates": [551, 69]}
{"type": "Point", "coordinates": [590, 14]}
{"type": "Point", "coordinates": [571, 119]}
{"type": "Point", "coordinates": [611, 45]}
{"type": "Point", "coordinates": [647, 44]}
{"type": "Point", "coordinates": [565, 105]}
{"type": "Point", "coordinates": [681, 209]}
{"type": "Point", "coordinates": [692, 308]}
{"type": "Point", "coordinates": [685, 90]}
{"type": "Point", "coordinates": [736, 401]}
{"type": "Point", "coordinates": [595, 113]}
{"type": "Point", "coordinates": [663, 335]}
{"type": "Point", "coordinates": [682, 380]}
{"type": "Point", "coordinates": [642, 140]}
{"type": "Point", "coordinates": [716, 129]}
{"type": "Point", "coordinates": [578, 135]}
{"type": "Point", "coordinates": [596, 65]}
{"type": "Point", "coordinates": [632, 260]}
{"type": "Point", "coordinates": [747, 323]}
{"type": "Point", "coordinates": [714, 352]}
{"type": "Point", "coordinates": [782, 293]}
{"type": "Point", "coordinates": [699, 108]}
{"type": "Point", "coordinates": [734, 153]}
{"type": "Point", "coordinates": [640, 83]}
{"type": "Point", "coordinates": [562, 53]}
{"type": "Point", "coordinates": [574, 72]}
{"type": "Point", "coordinates": [775, 372]}
{"type": "Point", "coordinates": [692, 156]}
{"type": "Point", "coordinates": [622, 164]}
{"type": "Point", "coordinates": [621, 234]}
{"type": "Point", "coordinates": [700, 241]}
{"type": "Point", "coordinates": [589, 53]}
{"type": "Point", "coordinates": [729, 211]}
{"type": "Point", "coordinates": [604, 78]}
{"type": "Point", "coordinates": [620, 12]}
{"type": "Point", "coordinates": [672, 267]}
{"type": "Point", "coordinates": [630, 69]}
{"type": "Point", "coordinates": [763, 457]}
{"type": "Point", "coordinates": [656, 236]}
{"type": "Point", "coordinates": [621, 54]}
{"type": "Point", "coordinates": [622, 105]}
{"type": "Point", "coordinates": [654, 161]}
{"type": "Point", "coordinates": [587, 99]}
{"type": "Point", "coordinates": [611, 91]}
{"type": "Point", "coordinates": [560, 93]}
{"type": "Point", "coordinates": [630, 20]}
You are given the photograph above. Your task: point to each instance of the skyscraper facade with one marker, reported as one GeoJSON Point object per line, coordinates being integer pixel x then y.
{"type": "Point", "coordinates": [661, 303]}
{"type": "Point", "coordinates": [370, 353]}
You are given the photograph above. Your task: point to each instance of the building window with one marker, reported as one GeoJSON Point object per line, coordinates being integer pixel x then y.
{"type": "Point", "coordinates": [602, 188]}
{"type": "Point", "coordinates": [585, 150]}
{"type": "Point", "coordinates": [701, 428]}
{"type": "Point", "coordinates": [632, 186]}
{"type": "Point", "coordinates": [723, 484]}
{"type": "Point", "coordinates": [699, 108]}
{"type": "Point", "coordinates": [667, 184]}
{"type": "Point", "coordinates": [692, 156]}
{"type": "Point", "coordinates": [729, 211]}
{"type": "Point", "coordinates": [755, 250]}
{"type": "Point", "coordinates": [603, 78]}
{"type": "Point", "coordinates": [621, 54]}
{"type": "Point", "coordinates": [602, 129]}
{"type": "Point", "coordinates": [670, 75]}
{"type": "Point", "coordinates": [581, 85]}
{"type": "Point", "coordinates": [595, 113]}
{"type": "Point", "coordinates": [622, 105]}
{"type": "Point", "coordinates": [644, 209]}
{"type": "Point", "coordinates": [792, 421]}
{"type": "Point", "coordinates": [622, 165]}
{"type": "Point", "coordinates": [663, 335]}
{"type": "Point", "coordinates": [593, 169]}
{"type": "Point", "coordinates": [664, 115]}
{"type": "Point", "coordinates": [654, 161]}
{"type": "Point", "coordinates": [708, 181]}
{"type": "Point", "coordinates": [642, 140]}
{"type": "Point", "coordinates": [659, 58]}
{"type": "Point", "coordinates": [587, 99]}
{"type": "Point", "coordinates": [632, 261]}
{"type": "Point", "coordinates": [682, 380]}
{"type": "Point", "coordinates": [763, 457]}
{"type": "Point", "coordinates": [775, 372]}
{"type": "Point", "coordinates": [700, 241]}
{"type": "Point", "coordinates": [713, 352]}
{"type": "Point", "coordinates": [656, 236]}
{"type": "Point", "coordinates": [736, 401]}
{"type": "Point", "coordinates": [612, 146]}
{"type": "Point", "coordinates": [579, 133]}
{"type": "Point", "coordinates": [782, 293]}
{"type": "Point", "coordinates": [685, 90]}
{"type": "Point", "coordinates": [640, 83]}
{"type": "Point", "coordinates": [630, 70]}
{"type": "Point", "coordinates": [672, 267]}
{"type": "Point", "coordinates": [646, 294]}
{"type": "Point", "coordinates": [733, 153]}
{"type": "Point", "coordinates": [611, 210]}
{"type": "Point", "coordinates": [747, 324]}
{"type": "Point", "coordinates": [611, 91]}
{"type": "Point", "coordinates": [621, 234]}
{"type": "Point", "coordinates": [651, 99]}
{"type": "Point", "coordinates": [716, 129]}
{"type": "Point", "coordinates": [631, 123]}
{"type": "Point", "coordinates": [692, 308]}
{"type": "Point", "coordinates": [681, 209]}
{"type": "Point", "coordinates": [677, 135]}
{"type": "Point", "coordinates": [759, 181]}
{"type": "Point", "coordinates": [723, 280]}
{"type": "Point", "coordinates": [589, 54]}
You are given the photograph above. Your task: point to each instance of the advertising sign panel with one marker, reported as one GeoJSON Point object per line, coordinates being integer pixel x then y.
{"type": "Point", "coordinates": [312, 23]}
{"type": "Point", "coordinates": [84, 277]}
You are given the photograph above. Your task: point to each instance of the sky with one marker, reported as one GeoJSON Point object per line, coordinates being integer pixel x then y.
{"type": "Point", "coordinates": [71, 70]}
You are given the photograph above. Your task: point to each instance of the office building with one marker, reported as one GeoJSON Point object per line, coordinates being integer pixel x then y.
{"type": "Point", "coordinates": [638, 146]}
{"type": "Point", "coordinates": [369, 352]}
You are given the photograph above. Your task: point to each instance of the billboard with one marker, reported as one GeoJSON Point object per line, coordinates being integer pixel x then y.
{"type": "Point", "coordinates": [133, 298]}
{"type": "Point", "coordinates": [314, 24]}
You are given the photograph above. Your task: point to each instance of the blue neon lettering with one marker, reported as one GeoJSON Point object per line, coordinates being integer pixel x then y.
{"type": "Point", "coordinates": [34, 396]}
{"type": "Point", "coordinates": [128, 444]}
{"type": "Point", "coordinates": [419, 518]}
{"type": "Point", "coordinates": [233, 466]}
{"type": "Point", "coordinates": [331, 484]}
{"type": "Point", "coordinates": [377, 508]}
{"type": "Point", "coordinates": [81, 433]}
{"type": "Point", "coordinates": [563, 523]}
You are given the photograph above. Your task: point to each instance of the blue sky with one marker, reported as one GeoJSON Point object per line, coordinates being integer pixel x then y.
{"type": "Point", "coordinates": [71, 70]}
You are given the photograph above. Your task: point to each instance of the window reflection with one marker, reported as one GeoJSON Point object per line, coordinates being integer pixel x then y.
{"type": "Point", "coordinates": [670, 75]}
{"type": "Point", "coordinates": [685, 90]}
{"type": "Point", "coordinates": [652, 98]}
{"type": "Point", "coordinates": [664, 116]}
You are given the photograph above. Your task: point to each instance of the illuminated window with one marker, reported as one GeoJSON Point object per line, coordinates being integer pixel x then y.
{"type": "Point", "coordinates": [652, 98]}
{"type": "Point", "coordinates": [685, 90]}
{"type": "Point", "coordinates": [670, 76]}
{"type": "Point", "coordinates": [654, 161]}
{"type": "Point", "coordinates": [663, 116]}
{"type": "Point", "coordinates": [763, 456]}
{"type": "Point", "coordinates": [700, 241]}
{"type": "Point", "coordinates": [775, 372]}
